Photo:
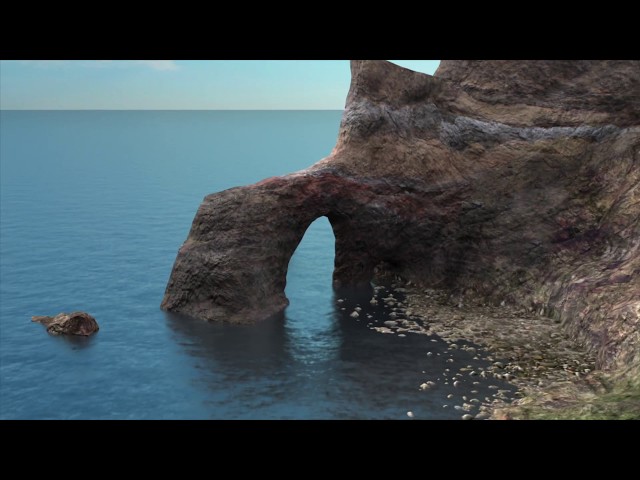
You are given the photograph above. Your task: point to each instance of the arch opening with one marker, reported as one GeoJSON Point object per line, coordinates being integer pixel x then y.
{"type": "Point", "coordinates": [310, 268]}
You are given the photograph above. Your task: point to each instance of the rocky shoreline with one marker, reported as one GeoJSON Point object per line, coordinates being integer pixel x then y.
{"type": "Point", "coordinates": [555, 376]}
{"type": "Point", "coordinates": [552, 375]}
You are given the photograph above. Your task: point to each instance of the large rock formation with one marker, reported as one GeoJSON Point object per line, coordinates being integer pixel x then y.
{"type": "Point", "coordinates": [516, 181]}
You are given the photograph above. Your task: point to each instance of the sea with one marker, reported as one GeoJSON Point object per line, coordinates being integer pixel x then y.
{"type": "Point", "coordinates": [93, 208]}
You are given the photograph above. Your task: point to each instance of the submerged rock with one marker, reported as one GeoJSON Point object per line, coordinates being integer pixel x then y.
{"type": "Point", "coordinates": [427, 385]}
{"type": "Point", "coordinates": [76, 323]}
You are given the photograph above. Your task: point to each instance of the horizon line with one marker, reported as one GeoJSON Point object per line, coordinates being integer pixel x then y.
{"type": "Point", "coordinates": [170, 109]}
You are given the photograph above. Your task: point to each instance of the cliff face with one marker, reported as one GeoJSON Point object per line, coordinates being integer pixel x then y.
{"type": "Point", "coordinates": [513, 181]}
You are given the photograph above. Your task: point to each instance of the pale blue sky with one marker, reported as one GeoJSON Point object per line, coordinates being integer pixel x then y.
{"type": "Point", "coordinates": [179, 84]}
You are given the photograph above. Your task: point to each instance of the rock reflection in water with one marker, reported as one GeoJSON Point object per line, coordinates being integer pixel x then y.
{"type": "Point", "coordinates": [330, 365]}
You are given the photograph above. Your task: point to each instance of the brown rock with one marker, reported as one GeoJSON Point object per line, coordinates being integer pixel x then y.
{"type": "Point", "coordinates": [516, 180]}
{"type": "Point", "coordinates": [76, 323]}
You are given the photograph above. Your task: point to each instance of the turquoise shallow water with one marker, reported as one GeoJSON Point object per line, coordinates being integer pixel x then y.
{"type": "Point", "coordinates": [93, 207]}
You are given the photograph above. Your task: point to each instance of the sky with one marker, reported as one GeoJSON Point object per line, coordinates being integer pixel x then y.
{"type": "Point", "coordinates": [179, 84]}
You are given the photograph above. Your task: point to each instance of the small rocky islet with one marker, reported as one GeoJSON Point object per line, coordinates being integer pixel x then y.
{"type": "Point", "coordinates": [504, 196]}
{"type": "Point", "coordinates": [74, 323]}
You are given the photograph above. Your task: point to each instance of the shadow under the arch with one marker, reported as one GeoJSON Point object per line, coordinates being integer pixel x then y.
{"type": "Point", "coordinates": [250, 349]}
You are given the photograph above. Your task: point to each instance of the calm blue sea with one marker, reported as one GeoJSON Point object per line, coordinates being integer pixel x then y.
{"type": "Point", "coordinates": [93, 208]}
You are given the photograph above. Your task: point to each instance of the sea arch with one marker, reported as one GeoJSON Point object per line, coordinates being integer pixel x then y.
{"type": "Point", "coordinates": [233, 265]}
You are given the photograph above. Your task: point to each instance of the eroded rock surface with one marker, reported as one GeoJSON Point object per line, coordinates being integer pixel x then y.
{"type": "Point", "coordinates": [76, 323]}
{"type": "Point", "coordinates": [514, 182]}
